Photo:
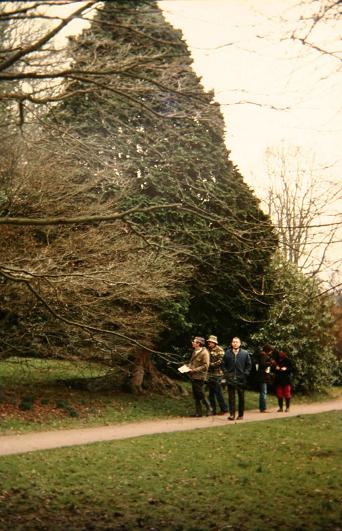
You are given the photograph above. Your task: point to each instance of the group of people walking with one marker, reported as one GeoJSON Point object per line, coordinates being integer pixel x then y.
{"type": "Point", "coordinates": [212, 366]}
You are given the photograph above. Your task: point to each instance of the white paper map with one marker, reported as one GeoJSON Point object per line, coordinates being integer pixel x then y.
{"type": "Point", "coordinates": [184, 368]}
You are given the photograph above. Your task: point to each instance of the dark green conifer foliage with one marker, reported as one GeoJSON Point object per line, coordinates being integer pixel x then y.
{"type": "Point", "coordinates": [152, 118]}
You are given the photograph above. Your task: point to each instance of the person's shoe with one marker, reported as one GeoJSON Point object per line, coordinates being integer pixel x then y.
{"type": "Point", "coordinates": [222, 413]}
{"type": "Point", "coordinates": [231, 417]}
{"type": "Point", "coordinates": [279, 410]}
{"type": "Point", "coordinates": [264, 411]}
{"type": "Point", "coordinates": [287, 410]}
{"type": "Point", "coordinates": [240, 417]}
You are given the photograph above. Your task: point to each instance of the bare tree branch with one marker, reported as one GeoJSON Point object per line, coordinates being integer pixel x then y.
{"type": "Point", "coordinates": [45, 38]}
{"type": "Point", "coordinates": [85, 219]}
{"type": "Point", "coordinates": [76, 323]}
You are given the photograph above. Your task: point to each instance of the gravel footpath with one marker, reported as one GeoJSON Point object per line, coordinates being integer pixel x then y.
{"type": "Point", "coordinates": [30, 442]}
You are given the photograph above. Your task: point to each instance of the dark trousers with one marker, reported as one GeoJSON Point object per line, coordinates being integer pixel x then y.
{"type": "Point", "coordinates": [231, 399]}
{"type": "Point", "coordinates": [199, 396]}
{"type": "Point", "coordinates": [198, 389]}
{"type": "Point", "coordinates": [215, 393]}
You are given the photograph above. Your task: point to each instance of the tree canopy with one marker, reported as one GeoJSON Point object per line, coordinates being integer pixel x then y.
{"type": "Point", "coordinates": [300, 322]}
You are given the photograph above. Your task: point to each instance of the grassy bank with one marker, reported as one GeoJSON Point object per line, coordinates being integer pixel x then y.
{"type": "Point", "coordinates": [283, 474]}
{"type": "Point", "coordinates": [34, 395]}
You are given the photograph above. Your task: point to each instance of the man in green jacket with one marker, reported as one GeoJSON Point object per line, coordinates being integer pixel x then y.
{"type": "Point", "coordinates": [199, 365]}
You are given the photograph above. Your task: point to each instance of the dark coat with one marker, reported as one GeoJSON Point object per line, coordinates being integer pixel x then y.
{"type": "Point", "coordinates": [264, 369]}
{"type": "Point", "coordinates": [282, 372]}
{"type": "Point", "coordinates": [236, 368]}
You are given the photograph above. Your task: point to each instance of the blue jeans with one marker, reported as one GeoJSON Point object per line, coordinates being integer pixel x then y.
{"type": "Point", "coordinates": [215, 394]}
{"type": "Point", "coordinates": [262, 396]}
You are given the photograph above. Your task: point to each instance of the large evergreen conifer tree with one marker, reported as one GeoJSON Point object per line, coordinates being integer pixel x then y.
{"type": "Point", "coordinates": [153, 119]}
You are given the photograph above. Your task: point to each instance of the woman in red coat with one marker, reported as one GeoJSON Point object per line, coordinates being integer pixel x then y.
{"type": "Point", "coordinates": [282, 368]}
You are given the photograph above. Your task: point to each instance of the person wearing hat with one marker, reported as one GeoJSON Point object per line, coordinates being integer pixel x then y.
{"type": "Point", "coordinates": [215, 375]}
{"type": "Point", "coordinates": [198, 366]}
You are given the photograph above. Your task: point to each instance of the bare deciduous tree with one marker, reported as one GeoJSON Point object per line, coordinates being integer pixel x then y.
{"type": "Point", "coordinates": [303, 205]}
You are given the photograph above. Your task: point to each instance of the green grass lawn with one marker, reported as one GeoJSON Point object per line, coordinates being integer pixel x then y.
{"type": "Point", "coordinates": [281, 474]}
{"type": "Point", "coordinates": [34, 395]}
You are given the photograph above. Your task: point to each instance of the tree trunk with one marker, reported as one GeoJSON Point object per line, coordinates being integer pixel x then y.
{"type": "Point", "coordinates": [146, 377]}
{"type": "Point", "coordinates": [143, 378]}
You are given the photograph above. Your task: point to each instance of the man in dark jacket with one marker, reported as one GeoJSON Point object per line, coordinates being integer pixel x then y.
{"type": "Point", "coordinates": [236, 365]}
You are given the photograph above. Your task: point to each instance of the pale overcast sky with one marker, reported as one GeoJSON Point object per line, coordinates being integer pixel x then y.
{"type": "Point", "coordinates": [224, 39]}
